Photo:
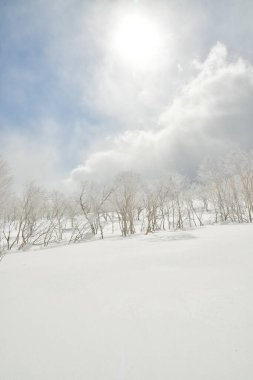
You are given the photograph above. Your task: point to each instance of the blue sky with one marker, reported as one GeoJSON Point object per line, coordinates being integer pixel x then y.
{"type": "Point", "coordinates": [71, 107]}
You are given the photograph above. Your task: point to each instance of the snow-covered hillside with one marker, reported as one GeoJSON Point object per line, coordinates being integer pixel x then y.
{"type": "Point", "coordinates": [167, 306]}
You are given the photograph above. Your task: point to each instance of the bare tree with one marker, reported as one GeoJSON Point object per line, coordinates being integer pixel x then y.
{"type": "Point", "coordinates": [126, 188]}
{"type": "Point", "coordinates": [32, 210]}
{"type": "Point", "coordinates": [5, 183]}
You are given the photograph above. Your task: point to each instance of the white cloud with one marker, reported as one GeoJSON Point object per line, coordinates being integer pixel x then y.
{"type": "Point", "coordinates": [212, 114]}
{"type": "Point", "coordinates": [156, 119]}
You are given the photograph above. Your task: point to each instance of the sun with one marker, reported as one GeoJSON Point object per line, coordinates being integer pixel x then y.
{"type": "Point", "coordinates": [137, 40]}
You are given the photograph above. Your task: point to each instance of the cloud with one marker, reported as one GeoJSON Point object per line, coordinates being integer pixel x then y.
{"type": "Point", "coordinates": [212, 114]}
{"type": "Point", "coordinates": [58, 68]}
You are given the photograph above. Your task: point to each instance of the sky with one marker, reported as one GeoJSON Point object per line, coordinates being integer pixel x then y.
{"type": "Point", "coordinates": [92, 88]}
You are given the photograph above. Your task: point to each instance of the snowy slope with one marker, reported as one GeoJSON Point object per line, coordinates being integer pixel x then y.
{"type": "Point", "coordinates": [169, 306]}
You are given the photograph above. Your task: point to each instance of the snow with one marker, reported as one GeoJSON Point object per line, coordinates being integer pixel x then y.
{"type": "Point", "coordinates": [172, 305]}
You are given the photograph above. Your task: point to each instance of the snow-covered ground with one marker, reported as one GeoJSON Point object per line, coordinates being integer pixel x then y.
{"type": "Point", "coordinates": [169, 306]}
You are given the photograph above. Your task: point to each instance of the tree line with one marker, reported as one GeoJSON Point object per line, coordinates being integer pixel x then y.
{"type": "Point", "coordinates": [221, 193]}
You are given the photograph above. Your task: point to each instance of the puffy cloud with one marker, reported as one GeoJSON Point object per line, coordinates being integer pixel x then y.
{"type": "Point", "coordinates": [212, 114]}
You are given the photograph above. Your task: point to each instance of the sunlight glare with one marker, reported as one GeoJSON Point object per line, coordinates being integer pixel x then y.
{"type": "Point", "coordinates": [137, 40]}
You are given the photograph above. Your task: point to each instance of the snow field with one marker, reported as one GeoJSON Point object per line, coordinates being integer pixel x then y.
{"type": "Point", "coordinates": [172, 305]}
